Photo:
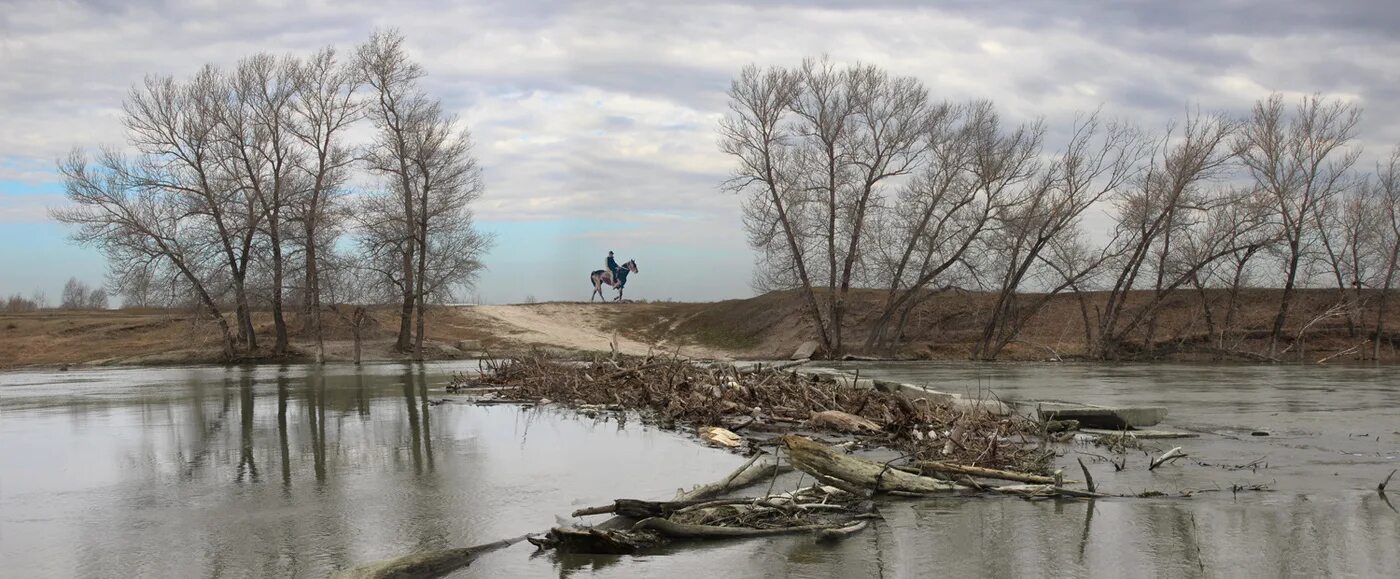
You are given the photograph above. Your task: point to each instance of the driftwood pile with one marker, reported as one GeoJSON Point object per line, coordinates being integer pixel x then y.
{"type": "Point", "coordinates": [763, 404]}
{"type": "Point", "coordinates": [940, 451]}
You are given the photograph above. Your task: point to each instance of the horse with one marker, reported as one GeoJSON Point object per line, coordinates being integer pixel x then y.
{"type": "Point", "coordinates": [603, 276]}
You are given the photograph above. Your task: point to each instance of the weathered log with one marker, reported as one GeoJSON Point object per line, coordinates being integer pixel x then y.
{"type": "Point", "coordinates": [1033, 490]}
{"type": "Point", "coordinates": [676, 530]}
{"type": "Point", "coordinates": [639, 509]}
{"type": "Point", "coordinates": [748, 473]}
{"type": "Point", "coordinates": [977, 471]}
{"type": "Point", "coordinates": [818, 459]}
{"type": "Point", "coordinates": [426, 564]}
{"type": "Point", "coordinates": [837, 533]}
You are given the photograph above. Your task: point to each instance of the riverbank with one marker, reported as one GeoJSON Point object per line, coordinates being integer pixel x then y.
{"type": "Point", "coordinates": [946, 326]}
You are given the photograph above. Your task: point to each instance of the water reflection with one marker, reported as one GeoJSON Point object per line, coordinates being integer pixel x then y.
{"type": "Point", "coordinates": [300, 471]}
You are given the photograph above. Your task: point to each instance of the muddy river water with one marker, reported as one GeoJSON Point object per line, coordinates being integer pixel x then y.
{"type": "Point", "coordinates": [299, 471]}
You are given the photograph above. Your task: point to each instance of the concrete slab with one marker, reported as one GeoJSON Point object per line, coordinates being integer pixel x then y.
{"type": "Point", "coordinates": [805, 351]}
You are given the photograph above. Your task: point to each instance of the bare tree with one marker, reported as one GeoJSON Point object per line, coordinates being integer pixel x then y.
{"type": "Point", "coordinates": [135, 220]}
{"type": "Point", "coordinates": [261, 156]}
{"type": "Point", "coordinates": [432, 173]}
{"type": "Point", "coordinates": [1300, 161]}
{"type": "Point", "coordinates": [1386, 190]}
{"type": "Point", "coordinates": [396, 108]}
{"type": "Point", "coordinates": [1098, 159]}
{"type": "Point", "coordinates": [349, 292]}
{"type": "Point", "coordinates": [755, 135]}
{"type": "Point", "coordinates": [324, 107]}
{"type": "Point", "coordinates": [96, 299]}
{"type": "Point", "coordinates": [1347, 225]}
{"type": "Point", "coordinates": [1165, 227]}
{"type": "Point", "coordinates": [817, 148]}
{"type": "Point", "coordinates": [74, 295]}
{"type": "Point", "coordinates": [971, 169]}
{"type": "Point", "coordinates": [18, 303]}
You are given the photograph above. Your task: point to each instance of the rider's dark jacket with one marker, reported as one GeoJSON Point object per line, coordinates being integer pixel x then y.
{"type": "Point", "coordinates": [619, 274]}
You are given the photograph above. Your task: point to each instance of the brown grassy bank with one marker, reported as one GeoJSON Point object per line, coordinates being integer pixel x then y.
{"type": "Point", "coordinates": [946, 326]}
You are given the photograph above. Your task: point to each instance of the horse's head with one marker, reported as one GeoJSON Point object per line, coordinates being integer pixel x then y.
{"type": "Point", "coordinates": [631, 265]}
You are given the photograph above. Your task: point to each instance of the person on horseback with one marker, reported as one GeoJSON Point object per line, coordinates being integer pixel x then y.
{"type": "Point", "coordinates": [613, 269]}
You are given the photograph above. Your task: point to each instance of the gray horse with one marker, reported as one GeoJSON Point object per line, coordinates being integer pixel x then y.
{"type": "Point", "coordinates": [603, 276]}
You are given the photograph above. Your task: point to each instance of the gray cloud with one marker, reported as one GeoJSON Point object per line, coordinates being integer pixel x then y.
{"type": "Point", "coordinates": [607, 110]}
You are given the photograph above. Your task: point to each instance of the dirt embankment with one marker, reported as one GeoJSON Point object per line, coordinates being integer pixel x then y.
{"type": "Point", "coordinates": [945, 326]}
{"type": "Point", "coordinates": [65, 337]}
{"type": "Point", "coordinates": [1189, 326]}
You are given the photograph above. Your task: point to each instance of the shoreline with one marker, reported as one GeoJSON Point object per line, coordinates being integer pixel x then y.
{"type": "Point", "coordinates": [768, 327]}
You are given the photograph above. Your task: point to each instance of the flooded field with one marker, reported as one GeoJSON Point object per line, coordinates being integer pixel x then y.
{"type": "Point", "coordinates": [296, 471]}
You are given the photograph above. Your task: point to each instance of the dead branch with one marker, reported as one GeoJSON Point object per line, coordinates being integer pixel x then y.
{"type": "Point", "coordinates": [1167, 456]}
{"type": "Point", "coordinates": [1088, 478]}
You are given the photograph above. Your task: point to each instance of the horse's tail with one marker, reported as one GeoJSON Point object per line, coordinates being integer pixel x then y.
{"type": "Point", "coordinates": [593, 277]}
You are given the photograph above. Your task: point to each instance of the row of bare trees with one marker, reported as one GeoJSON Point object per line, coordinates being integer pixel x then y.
{"type": "Point", "coordinates": [853, 177]}
{"type": "Point", "coordinates": [78, 296]}
{"type": "Point", "coordinates": [236, 190]}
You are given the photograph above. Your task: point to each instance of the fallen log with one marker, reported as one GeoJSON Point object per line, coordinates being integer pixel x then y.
{"type": "Point", "coordinates": [977, 471]}
{"type": "Point", "coordinates": [823, 461]}
{"type": "Point", "coordinates": [837, 533]}
{"type": "Point", "coordinates": [426, 564]}
{"type": "Point", "coordinates": [1046, 491]}
{"type": "Point", "coordinates": [674, 530]}
{"type": "Point", "coordinates": [748, 473]}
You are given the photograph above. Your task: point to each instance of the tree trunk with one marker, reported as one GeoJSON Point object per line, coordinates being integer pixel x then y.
{"type": "Point", "coordinates": [244, 313]}
{"type": "Point", "coordinates": [404, 343]}
{"type": "Point", "coordinates": [422, 236]}
{"type": "Point", "coordinates": [279, 323]}
{"type": "Point", "coordinates": [356, 329]}
{"type": "Point", "coordinates": [1285, 300]}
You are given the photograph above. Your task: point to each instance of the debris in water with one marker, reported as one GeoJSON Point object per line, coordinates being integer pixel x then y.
{"type": "Point", "coordinates": [674, 393]}
{"type": "Point", "coordinates": [721, 437]}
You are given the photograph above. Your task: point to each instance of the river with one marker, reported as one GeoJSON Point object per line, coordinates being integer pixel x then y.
{"type": "Point", "coordinates": [300, 471]}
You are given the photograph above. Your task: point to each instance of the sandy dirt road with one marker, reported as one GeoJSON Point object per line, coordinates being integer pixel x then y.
{"type": "Point", "coordinates": [579, 326]}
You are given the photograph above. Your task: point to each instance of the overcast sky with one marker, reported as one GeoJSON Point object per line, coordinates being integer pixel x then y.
{"type": "Point", "coordinates": [596, 121]}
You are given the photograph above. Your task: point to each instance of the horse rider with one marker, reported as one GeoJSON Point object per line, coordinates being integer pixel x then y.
{"type": "Point", "coordinates": [613, 268]}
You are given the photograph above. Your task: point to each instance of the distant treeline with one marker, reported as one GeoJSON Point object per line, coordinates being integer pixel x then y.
{"type": "Point", "coordinates": [854, 177]}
